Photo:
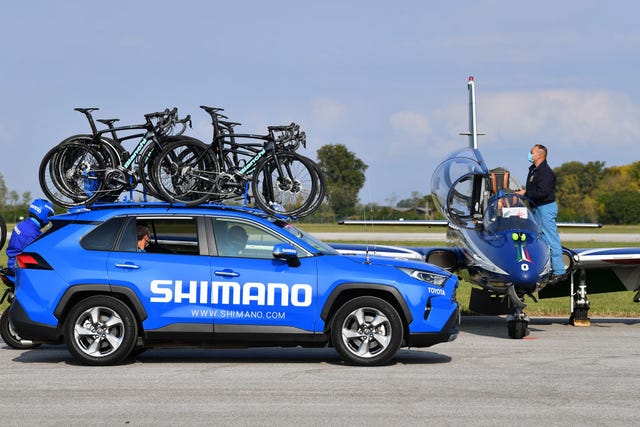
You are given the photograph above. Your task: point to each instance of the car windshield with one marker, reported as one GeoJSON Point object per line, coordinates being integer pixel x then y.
{"type": "Point", "coordinates": [311, 240]}
{"type": "Point", "coordinates": [509, 212]}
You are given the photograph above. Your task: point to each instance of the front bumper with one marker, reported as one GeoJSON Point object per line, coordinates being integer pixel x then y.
{"type": "Point", "coordinates": [448, 333]}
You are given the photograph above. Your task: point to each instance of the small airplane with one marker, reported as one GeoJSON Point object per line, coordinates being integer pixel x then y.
{"type": "Point", "coordinates": [495, 238]}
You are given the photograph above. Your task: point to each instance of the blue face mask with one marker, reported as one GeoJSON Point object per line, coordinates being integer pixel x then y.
{"type": "Point", "coordinates": [530, 157]}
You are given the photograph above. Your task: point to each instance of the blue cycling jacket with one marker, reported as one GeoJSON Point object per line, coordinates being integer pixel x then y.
{"type": "Point", "coordinates": [23, 234]}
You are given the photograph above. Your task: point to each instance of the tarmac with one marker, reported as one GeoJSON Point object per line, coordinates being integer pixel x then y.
{"type": "Point", "coordinates": [559, 375]}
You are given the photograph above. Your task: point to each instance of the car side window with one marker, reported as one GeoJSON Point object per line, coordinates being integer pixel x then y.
{"type": "Point", "coordinates": [242, 239]}
{"type": "Point", "coordinates": [103, 237]}
{"type": "Point", "coordinates": [160, 235]}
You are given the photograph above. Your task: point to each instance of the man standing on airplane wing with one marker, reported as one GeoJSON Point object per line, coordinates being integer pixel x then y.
{"type": "Point", "coordinates": [541, 190]}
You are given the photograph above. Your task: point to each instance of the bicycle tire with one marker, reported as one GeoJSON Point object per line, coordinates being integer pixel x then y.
{"type": "Point", "coordinates": [72, 173]}
{"type": "Point", "coordinates": [151, 155]}
{"type": "Point", "coordinates": [316, 202]}
{"type": "Point", "coordinates": [3, 232]}
{"type": "Point", "coordinates": [185, 172]}
{"type": "Point", "coordinates": [53, 183]}
{"type": "Point", "coordinates": [289, 194]}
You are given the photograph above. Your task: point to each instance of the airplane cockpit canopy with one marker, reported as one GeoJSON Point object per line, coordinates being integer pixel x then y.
{"type": "Point", "coordinates": [457, 187]}
{"type": "Point", "coordinates": [508, 212]}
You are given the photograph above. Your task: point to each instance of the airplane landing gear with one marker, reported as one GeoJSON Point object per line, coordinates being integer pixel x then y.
{"type": "Point", "coordinates": [518, 321]}
{"type": "Point", "coordinates": [580, 302]}
{"type": "Point", "coordinates": [518, 325]}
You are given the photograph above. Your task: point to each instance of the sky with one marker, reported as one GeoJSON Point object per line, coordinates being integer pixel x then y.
{"type": "Point", "coordinates": [386, 79]}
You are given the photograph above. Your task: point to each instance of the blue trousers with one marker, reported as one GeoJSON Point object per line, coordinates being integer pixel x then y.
{"type": "Point", "coordinates": [545, 216]}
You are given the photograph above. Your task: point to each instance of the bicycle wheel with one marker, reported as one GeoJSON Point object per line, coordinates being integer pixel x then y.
{"type": "Point", "coordinates": [59, 171]}
{"type": "Point", "coordinates": [185, 172]}
{"type": "Point", "coordinates": [73, 173]}
{"type": "Point", "coordinates": [50, 183]}
{"type": "Point", "coordinates": [284, 184]}
{"type": "Point", "coordinates": [3, 232]}
{"type": "Point", "coordinates": [149, 163]}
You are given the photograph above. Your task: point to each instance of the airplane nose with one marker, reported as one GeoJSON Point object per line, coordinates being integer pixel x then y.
{"type": "Point", "coordinates": [525, 276]}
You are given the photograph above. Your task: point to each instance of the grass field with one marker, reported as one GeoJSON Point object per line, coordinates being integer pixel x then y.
{"type": "Point", "coordinates": [618, 304]}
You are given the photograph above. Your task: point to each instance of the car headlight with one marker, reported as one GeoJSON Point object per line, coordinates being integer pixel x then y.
{"type": "Point", "coordinates": [426, 276]}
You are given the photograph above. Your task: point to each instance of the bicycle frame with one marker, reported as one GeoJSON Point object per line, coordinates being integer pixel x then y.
{"type": "Point", "coordinates": [132, 165]}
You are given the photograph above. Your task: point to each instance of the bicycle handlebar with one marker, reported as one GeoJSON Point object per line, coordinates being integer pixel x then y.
{"type": "Point", "coordinates": [290, 137]}
{"type": "Point", "coordinates": [165, 122]}
{"type": "Point", "coordinates": [293, 127]}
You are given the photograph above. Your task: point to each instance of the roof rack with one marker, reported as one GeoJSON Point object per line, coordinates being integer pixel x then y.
{"type": "Point", "coordinates": [210, 205]}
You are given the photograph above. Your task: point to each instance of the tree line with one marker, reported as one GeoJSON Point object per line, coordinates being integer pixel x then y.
{"type": "Point", "coordinates": [12, 205]}
{"type": "Point", "coordinates": [593, 193]}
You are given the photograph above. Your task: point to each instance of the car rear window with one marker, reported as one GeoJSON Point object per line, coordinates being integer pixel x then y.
{"type": "Point", "coordinates": [104, 236]}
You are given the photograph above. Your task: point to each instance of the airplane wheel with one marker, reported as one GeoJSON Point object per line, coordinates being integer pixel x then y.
{"type": "Point", "coordinates": [517, 329]}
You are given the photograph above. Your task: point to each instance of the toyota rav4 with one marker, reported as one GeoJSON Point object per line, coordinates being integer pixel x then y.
{"type": "Point", "coordinates": [111, 280]}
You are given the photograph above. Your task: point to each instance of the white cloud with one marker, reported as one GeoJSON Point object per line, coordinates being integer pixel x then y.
{"type": "Point", "coordinates": [566, 117]}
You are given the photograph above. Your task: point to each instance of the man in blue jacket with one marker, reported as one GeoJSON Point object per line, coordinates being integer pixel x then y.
{"type": "Point", "coordinates": [541, 190]}
{"type": "Point", "coordinates": [29, 229]}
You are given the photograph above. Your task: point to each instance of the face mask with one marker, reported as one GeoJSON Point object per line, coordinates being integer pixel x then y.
{"type": "Point", "coordinates": [530, 157]}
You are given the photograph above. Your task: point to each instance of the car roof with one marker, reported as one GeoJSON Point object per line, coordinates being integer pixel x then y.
{"type": "Point", "coordinates": [104, 211]}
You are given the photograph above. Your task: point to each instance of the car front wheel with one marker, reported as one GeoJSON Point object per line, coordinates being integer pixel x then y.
{"type": "Point", "coordinates": [367, 331]}
{"type": "Point", "coordinates": [100, 330]}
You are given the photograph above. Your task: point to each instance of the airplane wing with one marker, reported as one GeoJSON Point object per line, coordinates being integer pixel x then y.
{"type": "Point", "coordinates": [446, 257]}
{"type": "Point", "coordinates": [428, 222]}
{"type": "Point", "coordinates": [606, 270]}
{"type": "Point", "coordinates": [378, 250]}
{"type": "Point", "coordinates": [444, 223]}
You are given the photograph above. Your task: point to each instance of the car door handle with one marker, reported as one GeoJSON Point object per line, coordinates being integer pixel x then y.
{"type": "Point", "coordinates": [226, 273]}
{"type": "Point", "coordinates": [128, 265]}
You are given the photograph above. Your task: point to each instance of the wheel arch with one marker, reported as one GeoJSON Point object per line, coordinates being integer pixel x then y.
{"type": "Point", "coordinates": [79, 292]}
{"type": "Point", "coordinates": [348, 291]}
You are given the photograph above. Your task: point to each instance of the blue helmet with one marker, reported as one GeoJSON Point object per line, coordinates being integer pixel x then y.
{"type": "Point", "coordinates": [41, 210]}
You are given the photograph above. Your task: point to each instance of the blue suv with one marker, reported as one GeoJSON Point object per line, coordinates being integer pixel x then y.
{"type": "Point", "coordinates": [111, 280]}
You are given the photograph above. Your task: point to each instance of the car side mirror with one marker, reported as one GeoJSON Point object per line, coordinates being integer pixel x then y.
{"type": "Point", "coordinates": [286, 252]}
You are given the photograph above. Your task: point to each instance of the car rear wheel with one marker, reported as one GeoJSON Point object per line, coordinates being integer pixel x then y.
{"type": "Point", "coordinates": [100, 330]}
{"type": "Point", "coordinates": [10, 336]}
{"type": "Point", "coordinates": [367, 331]}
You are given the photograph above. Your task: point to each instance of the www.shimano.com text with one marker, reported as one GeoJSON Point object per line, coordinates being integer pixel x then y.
{"type": "Point", "coordinates": [238, 314]}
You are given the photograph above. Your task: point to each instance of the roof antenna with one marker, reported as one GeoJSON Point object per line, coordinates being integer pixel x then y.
{"type": "Point", "coordinates": [367, 260]}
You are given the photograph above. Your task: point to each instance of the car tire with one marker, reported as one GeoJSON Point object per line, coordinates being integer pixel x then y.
{"type": "Point", "coordinates": [100, 330]}
{"type": "Point", "coordinates": [10, 336]}
{"type": "Point", "coordinates": [367, 331]}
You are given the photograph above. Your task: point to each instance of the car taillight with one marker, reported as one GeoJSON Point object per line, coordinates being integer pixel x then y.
{"type": "Point", "coordinates": [32, 261]}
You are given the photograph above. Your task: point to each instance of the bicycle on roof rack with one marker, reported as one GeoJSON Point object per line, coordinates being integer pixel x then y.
{"type": "Point", "coordinates": [281, 181]}
{"type": "Point", "coordinates": [87, 168]}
